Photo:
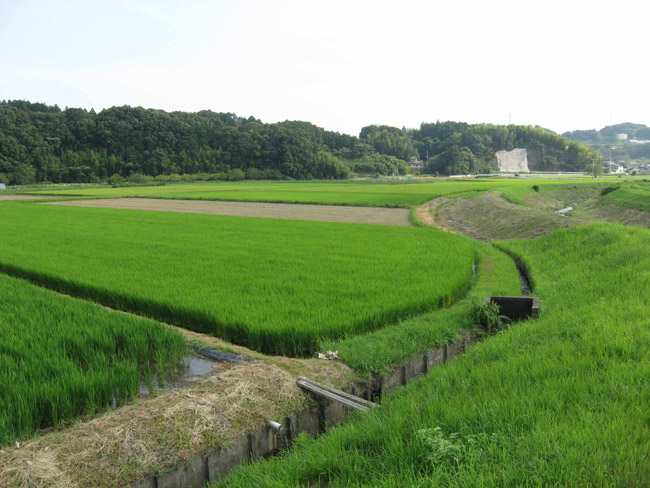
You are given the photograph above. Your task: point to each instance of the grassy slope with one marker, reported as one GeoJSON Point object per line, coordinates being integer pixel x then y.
{"type": "Point", "coordinates": [276, 286]}
{"type": "Point", "coordinates": [636, 197]}
{"type": "Point", "coordinates": [61, 357]}
{"type": "Point", "coordinates": [563, 400]}
{"type": "Point", "coordinates": [489, 217]}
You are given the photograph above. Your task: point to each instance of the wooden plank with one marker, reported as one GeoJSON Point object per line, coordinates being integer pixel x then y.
{"type": "Point", "coordinates": [335, 395]}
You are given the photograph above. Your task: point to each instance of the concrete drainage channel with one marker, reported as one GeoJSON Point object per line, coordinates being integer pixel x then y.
{"type": "Point", "coordinates": [274, 437]}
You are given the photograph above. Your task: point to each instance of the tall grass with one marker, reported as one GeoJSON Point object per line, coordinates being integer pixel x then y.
{"type": "Point", "coordinates": [276, 286]}
{"type": "Point", "coordinates": [563, 400]}
{"type": "Point", "coordinates": [61, 357]}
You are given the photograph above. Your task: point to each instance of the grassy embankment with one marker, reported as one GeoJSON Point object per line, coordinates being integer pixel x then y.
{"type": "Point", "coordinates": [635, 196]}
{"type": "Point", "coordinates": [276, 286]}
{"type": "Point", "coordinates": [522, 212]}
{"type": "Point", "coordinates": [61, 358]}
{"type": "Point", "coordinates": [563, 400]}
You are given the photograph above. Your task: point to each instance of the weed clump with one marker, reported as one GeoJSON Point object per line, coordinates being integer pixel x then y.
{"type": "Point", "coordinates": [454, 449]}
{"type": "Point", "coordinates": [488, 318]}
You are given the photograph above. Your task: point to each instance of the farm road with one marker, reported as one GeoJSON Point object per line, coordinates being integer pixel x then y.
{"type": "Point", "coordinates": [323, 213]}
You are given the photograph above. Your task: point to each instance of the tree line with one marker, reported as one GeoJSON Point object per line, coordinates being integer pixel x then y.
{"type": "Point", "coordinates": [42, 143]}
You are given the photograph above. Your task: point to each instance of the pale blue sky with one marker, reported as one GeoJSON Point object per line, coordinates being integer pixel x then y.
{"type": "Point", "coordinates": [339, 64]}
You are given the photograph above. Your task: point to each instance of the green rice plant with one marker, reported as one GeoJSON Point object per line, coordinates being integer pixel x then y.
{"type": "Point", "coordinates": [61, 358]}
{"type": "Point", "coordinates": [561, 400]}
{"type": "Point", "coordinates": [277, 286]}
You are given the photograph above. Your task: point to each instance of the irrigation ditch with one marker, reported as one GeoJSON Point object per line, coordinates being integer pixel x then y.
{"type": "Point", "coordinates": [274, 437]}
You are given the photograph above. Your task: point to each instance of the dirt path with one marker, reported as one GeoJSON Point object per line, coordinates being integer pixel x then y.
{"type": "Point", "coordinates": [323, 213]}
{"type": "Point", "coordinates": [23, 197]}
{"type": "Point", "coordinates": [429, 214]}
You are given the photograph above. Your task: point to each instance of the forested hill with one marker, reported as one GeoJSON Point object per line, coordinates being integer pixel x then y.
{"type": "Point", "coordinates": [608, 134]}
{"type": "Point", "coordinates": [44, 143]}
{"type": "Point", "coordinates": [460, 148]}
{"type": "Point", "coordinates": [636, 147]}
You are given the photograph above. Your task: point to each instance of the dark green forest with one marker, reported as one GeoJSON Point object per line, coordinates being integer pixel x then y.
{"type": "Point", "coordinates": [42, 143]}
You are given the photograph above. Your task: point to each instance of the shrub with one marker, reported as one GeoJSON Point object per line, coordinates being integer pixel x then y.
{"type": "Point", "coordinates": [608, 189]}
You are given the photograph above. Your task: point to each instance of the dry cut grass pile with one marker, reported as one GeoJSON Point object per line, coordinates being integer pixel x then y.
{"type": "Point", "coordinates": [156, 434]}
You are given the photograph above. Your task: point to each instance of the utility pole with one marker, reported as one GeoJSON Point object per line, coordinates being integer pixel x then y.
{"type": "Point", "coordinates": [593, 167]}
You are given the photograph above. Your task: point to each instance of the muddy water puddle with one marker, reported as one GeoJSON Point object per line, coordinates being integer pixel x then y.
{"type": "Point", "coordinates": [192, 367]}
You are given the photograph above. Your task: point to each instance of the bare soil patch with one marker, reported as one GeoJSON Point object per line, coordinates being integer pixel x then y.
{"type": "Point", "coordinates": [323, 213]}
{"type": "Point", "coordinates": [23, 197]}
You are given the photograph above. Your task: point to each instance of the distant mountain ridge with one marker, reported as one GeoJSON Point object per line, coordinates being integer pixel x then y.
{"type": "Point", "coordinates": [629, 151]}
{"type": "Point", "coordinates": [609, 133]}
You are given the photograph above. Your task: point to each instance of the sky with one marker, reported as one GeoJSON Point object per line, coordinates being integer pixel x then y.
{"type": "Point", "coordinates": [342, 65]}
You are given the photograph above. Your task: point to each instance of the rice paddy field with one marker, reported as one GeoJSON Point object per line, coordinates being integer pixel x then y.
{"type": "Point", "coordinates": [276, 286]}
{"type": "Point", "coordinates": [563, 400]}
{"type": "Point", "coordinates": [61, 358]}
{"type": "Point", "coordinates": [366, 193]}
{"type": "Point", "coordinates": [396, 193]}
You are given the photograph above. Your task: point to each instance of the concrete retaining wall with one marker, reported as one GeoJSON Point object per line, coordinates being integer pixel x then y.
{"type": "Point", "coordinates": [313, 421]}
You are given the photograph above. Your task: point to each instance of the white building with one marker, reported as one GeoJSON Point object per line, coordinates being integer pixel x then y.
{"type": "Point", "coordinates": [616, 168]}
{"type": "Point", "coordinates": [621, 137]}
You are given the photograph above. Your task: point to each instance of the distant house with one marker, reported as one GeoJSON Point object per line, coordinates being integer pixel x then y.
{"type": "Point", "coordinates": [643, 169]}
{"type": "Point", "coordinates": [621, 137]}
{"type": "Point", "coordinates": [615, 168]}
{"type": "Point", "coordinates": [415, 163]}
